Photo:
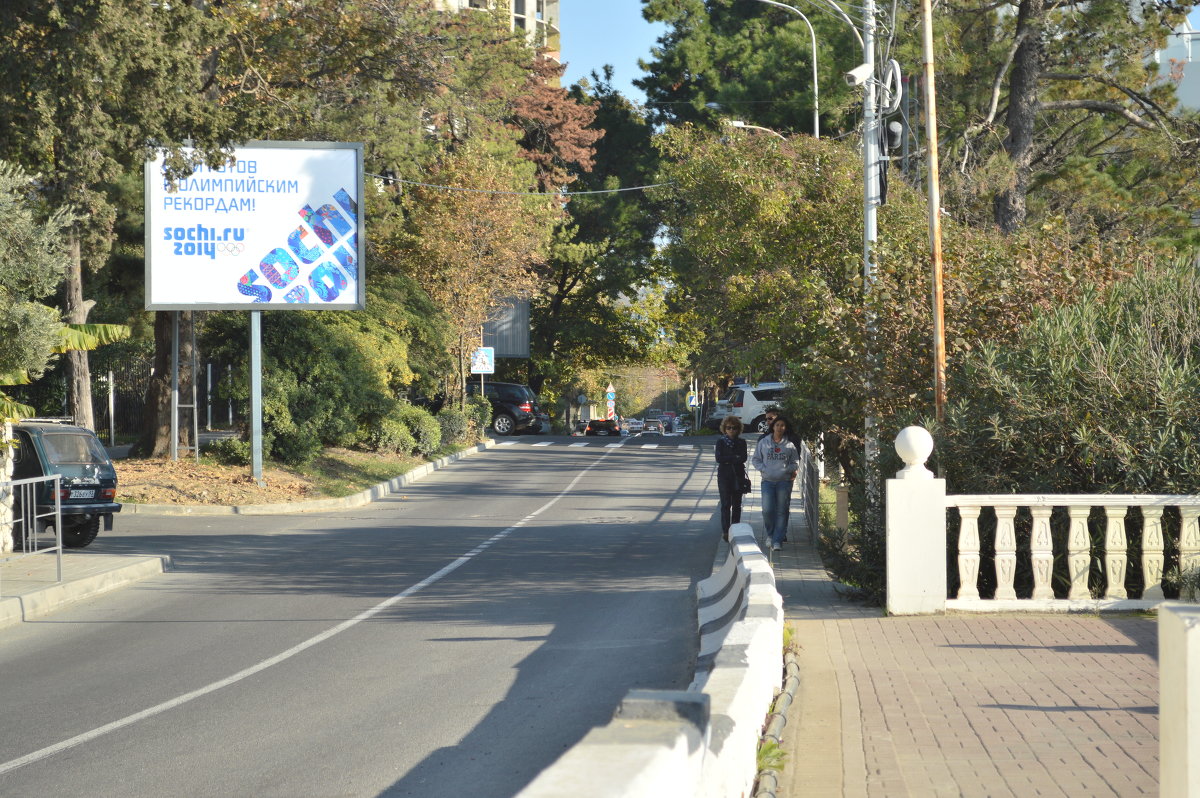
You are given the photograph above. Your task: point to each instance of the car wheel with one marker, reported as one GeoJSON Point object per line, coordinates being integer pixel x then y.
{"type": "Point", "coordinates": [504, 424]}
{"type": "Point", "coordinates": [760, 425]}
{"type": "Point", "coordinates": [79, 532]}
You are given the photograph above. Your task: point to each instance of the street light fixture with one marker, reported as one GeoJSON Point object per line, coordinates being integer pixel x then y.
{"type": "Point", "coordinates": [740, 123]}
{"type": "Point", "coordinates": [816, 90]}
{"type": "Point", "coordinates": [864, 75]}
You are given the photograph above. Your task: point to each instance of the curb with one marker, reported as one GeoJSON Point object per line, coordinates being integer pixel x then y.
{"type": "Point", "coordinates": [37, 603]}
{"type": "Point", "coordinates": [380, 491]}
{"type": "Point", "coordinates": [768, 781]}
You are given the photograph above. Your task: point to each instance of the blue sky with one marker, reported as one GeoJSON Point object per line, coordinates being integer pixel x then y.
{"type": "Point", "coordinates": [599, 32]}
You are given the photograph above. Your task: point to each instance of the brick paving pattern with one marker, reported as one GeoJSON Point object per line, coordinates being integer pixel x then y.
{"type": "Point", "coordinates": [958, 705]}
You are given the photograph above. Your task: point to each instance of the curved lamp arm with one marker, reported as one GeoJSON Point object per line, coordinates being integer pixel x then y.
{"type": "Point", "coordinates": [813, 34]}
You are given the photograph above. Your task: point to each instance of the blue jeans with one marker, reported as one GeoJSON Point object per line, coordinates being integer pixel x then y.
{"type": "Point", "coordinates": [776, 502]}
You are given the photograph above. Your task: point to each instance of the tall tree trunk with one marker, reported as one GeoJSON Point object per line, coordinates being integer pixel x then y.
{"type": "Point", "coordinates": [156, 421]}
{"type": "Point", "coordinates": [1009, 205]}
{"type": "Point", "coordinates": [79, 375]}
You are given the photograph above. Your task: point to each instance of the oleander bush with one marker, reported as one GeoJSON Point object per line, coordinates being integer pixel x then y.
{"type": "Point", "coordinates": [1099, 396]}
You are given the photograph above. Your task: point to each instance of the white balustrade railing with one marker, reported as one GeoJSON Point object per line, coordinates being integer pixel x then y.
{"type": "Point", "coordinates": [1077, 547]}
{"type": "Point", "coordinates": [1042, 560]}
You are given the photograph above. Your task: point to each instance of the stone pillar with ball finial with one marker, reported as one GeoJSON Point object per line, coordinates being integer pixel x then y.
{"type": "Point", "coordinates": [916, 530]}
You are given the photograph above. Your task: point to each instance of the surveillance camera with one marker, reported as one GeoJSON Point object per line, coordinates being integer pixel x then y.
{"type": "Point", "coordinates": [859, 75]}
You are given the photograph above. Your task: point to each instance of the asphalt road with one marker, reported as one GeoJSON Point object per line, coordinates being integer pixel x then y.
{"type": "Point", "coordinates": [450, 642]}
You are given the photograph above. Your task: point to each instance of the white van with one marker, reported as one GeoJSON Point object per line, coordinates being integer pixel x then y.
{"type": "Point", "coordinates": [751, 402]}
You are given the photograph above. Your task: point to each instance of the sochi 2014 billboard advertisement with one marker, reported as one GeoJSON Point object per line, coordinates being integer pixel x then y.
{"type": "Point", "coordinates": [278, 227]}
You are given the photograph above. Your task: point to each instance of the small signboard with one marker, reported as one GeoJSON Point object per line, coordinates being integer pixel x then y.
{"type": "Point", "coordinates": [691, 399]}
{"type": "Point", "coordinates": [483, 360]}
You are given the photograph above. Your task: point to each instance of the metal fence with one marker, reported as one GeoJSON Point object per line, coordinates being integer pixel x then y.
{"type": "Point", "coordinates": [811, 467]}
{"type": "Point", "coordinates": [21, 496]}
{"type": "Point", "coordinates": [119, 388]}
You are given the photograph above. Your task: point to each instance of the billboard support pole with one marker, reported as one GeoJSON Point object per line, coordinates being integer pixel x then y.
{"type": "Point", "coordinates": [256, 453]}
{"type": "Point", "coordinates": [174, 385]}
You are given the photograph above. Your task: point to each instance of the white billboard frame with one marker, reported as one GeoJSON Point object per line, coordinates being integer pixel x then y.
{"type": "Point", "coordinates": [275, 256]}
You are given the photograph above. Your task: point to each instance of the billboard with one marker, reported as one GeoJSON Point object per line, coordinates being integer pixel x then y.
{"type": "Point", "coordinates": [508, 329]}
{"type": "Point", "coordinates": [278, 227]}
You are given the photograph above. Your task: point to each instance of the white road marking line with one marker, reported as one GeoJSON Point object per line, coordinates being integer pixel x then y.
{"type": "Point", "coordinates": [687, 446]}
{"type": "Point", "coordinates": [649, 445]}
{"type": "Point", "coordinates": [545, 443]}
{"type": "Point", "coordinates": [507, 443]}
{"type": "Point", "coordinates": [580, 444]}
{"type": "Point", "coordinates": [178, 701]}
{"type": "Point", "coordinates": [613, 445]}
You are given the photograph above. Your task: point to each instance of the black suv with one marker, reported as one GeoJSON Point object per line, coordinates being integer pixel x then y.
{"type": "Point", "coordinates": [603, 426]}
{"type": "Point", "coordinates": [515, 407]}
{"type": "Point", "coordinates": [87, 485]}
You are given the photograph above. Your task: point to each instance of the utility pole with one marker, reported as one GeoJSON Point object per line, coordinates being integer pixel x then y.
{"type": "Point", "coordinates": [935, 217]}
{"type": "Point", "coordinates": [871, 167]}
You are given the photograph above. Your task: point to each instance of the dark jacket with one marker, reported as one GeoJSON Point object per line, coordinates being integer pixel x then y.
{"type": "Point", "coordinates": [731, 461]}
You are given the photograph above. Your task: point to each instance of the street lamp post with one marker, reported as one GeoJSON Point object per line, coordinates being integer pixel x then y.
{"type": "Point", "coordinates": [816, 90]}
{"type": "Point", "coordinates": [871, 198]}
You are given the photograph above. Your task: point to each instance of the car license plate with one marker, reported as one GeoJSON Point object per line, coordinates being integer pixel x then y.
{"type": "Point", "coordinates": [82, 494]}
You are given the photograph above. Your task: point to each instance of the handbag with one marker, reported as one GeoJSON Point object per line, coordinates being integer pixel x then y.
{"type": "Point", "coordinates": [745, 485]}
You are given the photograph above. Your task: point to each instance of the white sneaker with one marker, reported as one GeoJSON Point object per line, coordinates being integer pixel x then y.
{"type": "Point", "coordinates": [776, 547]}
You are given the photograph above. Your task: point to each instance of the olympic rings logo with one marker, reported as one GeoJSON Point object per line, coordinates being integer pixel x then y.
{"type": "Point", "coordinates": [231, 248]}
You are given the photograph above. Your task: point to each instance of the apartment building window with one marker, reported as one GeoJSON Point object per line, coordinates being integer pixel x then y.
{"type": "Point", "coordinates": [519, 7]}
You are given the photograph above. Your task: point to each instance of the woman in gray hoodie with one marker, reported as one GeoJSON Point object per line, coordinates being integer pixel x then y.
{"type": "Point", "coordinates": [778, 461]}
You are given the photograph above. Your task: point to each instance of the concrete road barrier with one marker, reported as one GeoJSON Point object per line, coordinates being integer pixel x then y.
{"type": "Point", "coordinates": [702, 741]}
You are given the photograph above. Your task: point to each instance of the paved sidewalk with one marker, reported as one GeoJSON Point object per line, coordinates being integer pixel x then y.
{"type": "Point", "coordinates": [29, 585]}
{"type": "Point", "coordinates": [1000, 705]}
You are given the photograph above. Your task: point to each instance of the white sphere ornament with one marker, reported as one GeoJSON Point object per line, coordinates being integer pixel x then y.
{"type": "Point", "coordinates": [914, 445]}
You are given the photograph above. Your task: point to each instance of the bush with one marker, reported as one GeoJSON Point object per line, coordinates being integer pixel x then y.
{"type": "Point", "coordinates": [423, 426]}
{"type": "Point", "coordinates": [283, 439]}
{"type": "Point", "coordinates": [479, 412]}
{"type": "Point", "coordinates": [229, 451]}
{"type": "Point", "coordinates": [455, 425]}
{"type": "Point", "coordinates": [1099, 396]}
{"type": "Point", "coordinates": [392, 435]}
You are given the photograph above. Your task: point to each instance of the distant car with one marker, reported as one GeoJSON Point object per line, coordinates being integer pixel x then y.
{"type": "Point", "coordinates": [580, 428]}
{"type": "Point", "coordinates": [751, 402]}
{"type": "Point", "coordinates": [87, 485]}
{"type": "Point", "coordinates": [603, 426]}
{"type": "Point", "coordinates": [718, 415]}
{"type": "Point", "coordinates": [634, 425]}
{"type": "Point", "coordinates": [649, 435]}
{"type": "Point", "coordinates": [515, 407]}
{"type": "Point", "coordinates": [652, 425]}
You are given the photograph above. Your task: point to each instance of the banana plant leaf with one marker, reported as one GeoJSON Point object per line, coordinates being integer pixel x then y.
{"type": "Point", "coordinates": [90, 336]}
{"type": "Point", "coordinates": [11, 410]}
{"type": "Point", "coordinates": [16, 377]}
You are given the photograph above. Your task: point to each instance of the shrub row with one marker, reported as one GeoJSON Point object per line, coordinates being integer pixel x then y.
{"type": "Point", "coordinates": [403, 429]}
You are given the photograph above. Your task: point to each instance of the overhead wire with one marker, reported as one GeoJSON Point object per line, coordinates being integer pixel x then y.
{"type": "Point", "coordinates": [519, 193]}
